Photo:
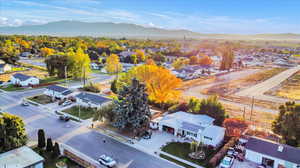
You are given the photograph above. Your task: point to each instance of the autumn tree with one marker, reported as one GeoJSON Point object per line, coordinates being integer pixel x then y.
{"type": "Point", "coordinates": [12, 132]}
{"type": "Point", "coordinates": [45, 52]}
{"type": "Point", "coordinates": [287, 124]}
{"type": "Point", "coordinates": [131, 110]}
{"type": "Point", "coordinates": [113, 64]}
{"type": "Point", "coordinates": [57, 64]}
{"type": "Point", "coordinates": [205, 60]}
{"type": "Point", "coordinates": [9, 53]}
{"type": "Point", "coordinates": [180, 63]}
{"type": "Point", "coordinates": [194, 60]}
{"type": "Point", "coordinates": [140, 55]}
{"type": "Point", "coordinates": [80, 63]}
{"type": "Point", "coordinates": [227, 54]}
{"type": "Point", "coordinates": [234, 126]}
{"type": "Point", "coordinates": [150, 62]}
{"type": "Point", "coordinates": [161, 85]}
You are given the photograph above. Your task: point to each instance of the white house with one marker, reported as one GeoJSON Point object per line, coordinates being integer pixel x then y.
{"type": "Point", "coordinates": [24, 80]}
{"type": "Point", "coordinates": [4, 68]}
{"type": "Point", "coordinates": [271, 154]}
{"type": "Point", "coordinates": [22, 157]}
{"type": "Point", "coordinates": [92, 100]}
{"type": "Point", "coordinates": [197, 127]}
{"type": "Point", "coordinates": [58, 92]}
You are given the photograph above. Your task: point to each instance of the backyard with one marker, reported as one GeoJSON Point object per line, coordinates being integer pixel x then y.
{"type": "Point", "coordinates": [182, 150]}
{"type": "Point", "coordinates": [81, 112]}
{"type": "Point", "coordinates": [41, 99]}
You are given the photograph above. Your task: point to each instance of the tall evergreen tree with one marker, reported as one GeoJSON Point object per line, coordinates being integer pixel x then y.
{"type": "Point", "coordinates": [41, 138]}
{"type": "Point", "coordinates": [131, 109]}
{"type": "Point", "coordinates": [49, 146]}
{"type": "Point", "coordinates": [56, 150]}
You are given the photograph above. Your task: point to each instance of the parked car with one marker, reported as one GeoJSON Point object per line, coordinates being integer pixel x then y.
{"type": "Point", "coordinates": [64, 118]}
{"type": "Point", "coordinates": [107, 161]}
{"type": "Point", "coordinates": [66, 103]}
{"type": "Point", "coordinates": [232, 152]}
{"type": "Point", "coordinates": [226, 162]}
{"type": "Point", "coordinates": [25, 104]}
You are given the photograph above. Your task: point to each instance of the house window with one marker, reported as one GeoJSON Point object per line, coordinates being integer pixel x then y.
{"type": "Point", "coordinates": [205, 137]}
{"type": "Point", "coordinates": [191, 134]}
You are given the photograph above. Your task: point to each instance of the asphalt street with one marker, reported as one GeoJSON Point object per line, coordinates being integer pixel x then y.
{"type": "Point", "coordinates": [76, 135]}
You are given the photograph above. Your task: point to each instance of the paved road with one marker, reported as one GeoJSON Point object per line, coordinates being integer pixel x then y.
{"type": "Point", "coordinates": [77, 135]}
{"type": "Point", "coordinates": [196, 90]}
{"type": "Point", "coordinates": [258, 90]}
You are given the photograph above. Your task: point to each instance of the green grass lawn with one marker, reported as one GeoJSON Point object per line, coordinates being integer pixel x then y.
{"type": "Point", "coordinates": [41, 99]}
{"type": "Point", "coordinates": [182, 150]}
{"type": "Point", "coordinates": [10, 88]}
{"type": "Point", "coordinates": [52, 80]}
{"type": "Point", "coordinates": [50, 161]}
{"type": "Point", "coordinates": [85, 113]}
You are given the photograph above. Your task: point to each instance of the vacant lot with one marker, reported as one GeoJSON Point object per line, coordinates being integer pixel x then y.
{"type": "Point", "coordinates": [288, 89]}
{"type": "Point", "coordinates": [236, 85]}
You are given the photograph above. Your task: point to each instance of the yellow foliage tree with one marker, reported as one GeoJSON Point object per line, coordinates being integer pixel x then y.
{"type": "Point", "coordinates": [140, 55]}
{"type": "Point", "coordinates": [162, 86]}
{"type": "Point", "coordinates": [47, 51]}
{"type": "Point", "coordinates": [113, 64]}
{"type": "Point", "coordinates": [180, 62]}
{"type": "Point", "coordinates": [80, 63]}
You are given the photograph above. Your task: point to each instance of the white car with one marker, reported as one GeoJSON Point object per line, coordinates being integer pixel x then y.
{"type": "Point", "coordinates": [226, 162]}
{"type": "Point", "coordinates": [66, 103]}
{"type": "Point", "coordinates": [107, 161]}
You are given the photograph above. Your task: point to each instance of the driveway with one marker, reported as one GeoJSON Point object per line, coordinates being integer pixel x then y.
{"type": "Point", "coordinates": [244, 164]}
{"type": "Point", "coordinates": [258, 90]}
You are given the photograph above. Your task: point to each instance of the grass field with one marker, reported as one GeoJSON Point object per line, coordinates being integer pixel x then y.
{"type": "Point", "coordinates": [85, 113]}
{"type": "Point", "coordinates": [10, 88]}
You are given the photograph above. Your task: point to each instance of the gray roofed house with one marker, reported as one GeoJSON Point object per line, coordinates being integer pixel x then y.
{"type": "Point", "coordinates": [57, 91]}
{"type": "Point", "coordinates": [92, 100]}
{"type": "Point", "coordinates": [274, 154]}
{"type": "Point", "coordinates": [22, 157]}
{"type": "Point", "coordinates": [21, 77]}
{"type": "Point", "coordinates": [4, 67]}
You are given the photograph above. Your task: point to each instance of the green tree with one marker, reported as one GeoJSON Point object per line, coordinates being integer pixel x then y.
{"type": "Point", "coordinates": [41, 138]}
{"type": "Point", "coordinates": [287, 124]}
{"type": "Point", "coordinates": [56, 150]}
{"type": "Point", "coordinates": [49, 146]}
{"type": "Point", "coordinates": [13, 133]}
{"type": "Point", "coordinates": [131, 110]}
{"type": "Point", "coordinates": [56, 65]}
{"type": "Point", "coordinates": [113, 86]}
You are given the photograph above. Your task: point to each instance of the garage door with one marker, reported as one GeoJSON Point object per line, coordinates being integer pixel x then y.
{"type": "Point", "coordinates": [168, 129]}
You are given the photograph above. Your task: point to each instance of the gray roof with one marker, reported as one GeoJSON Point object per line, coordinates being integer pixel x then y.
{"type": "Point", "coordinates": [2, 65]}
{"type": "Point", "coordinates": [60, 89]}
{"type": "Point", "coordinates": [22, 77]}
{"type": "Point", "coordinates": [20, 158]}
{"type": "Point", "coordinates": [191, 127]}
{"type": "Point", "coordinates": [95, 99]}
{"type": "Point", "coordinates": [289, 153]}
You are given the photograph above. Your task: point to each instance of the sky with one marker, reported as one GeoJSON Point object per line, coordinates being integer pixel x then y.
{"type": "Point", "coordinates": [203, 16]}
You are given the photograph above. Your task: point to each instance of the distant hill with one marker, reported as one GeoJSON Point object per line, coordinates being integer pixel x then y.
{"type": "Point", "coordinates": [103, 29]}
{"type": "Point", "coordinates": [118, 30]}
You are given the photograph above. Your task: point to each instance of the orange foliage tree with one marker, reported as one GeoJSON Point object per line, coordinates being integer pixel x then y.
{"type": "Point", "coordinates": [234, 126]}
{"type": "Point", "coordinates": [47, 51]}
{"type": "Point", "coordinates": [205, 60]}
{"type": "Point", "coordinates": [162, 86]}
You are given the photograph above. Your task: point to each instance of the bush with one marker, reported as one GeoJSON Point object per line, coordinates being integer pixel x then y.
{"type": "Point", "coordinates": [92, 88]}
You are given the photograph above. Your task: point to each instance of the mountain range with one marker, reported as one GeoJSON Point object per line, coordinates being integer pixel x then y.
{"type": "Point", "coordinates": [119, 30]}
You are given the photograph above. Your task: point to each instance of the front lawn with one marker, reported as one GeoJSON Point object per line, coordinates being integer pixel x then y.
{"type": "Point", "coordinates": [175, 161]}
{"type": "Point", "coordinates": [41, 99]}
{"type": "Point", "coordinates": [85, 112]}
{"type": "Point", "coordinates": [50, 161]}
{"type": "Point", "coordinates": [10, 88]}
{"type": "Point", "coordinates": [52, 80]}
{"type": "Point", "coordinates": [182, 150]}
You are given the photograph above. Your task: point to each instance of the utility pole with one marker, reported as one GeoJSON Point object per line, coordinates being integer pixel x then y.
{"type": "Point", "coordinates": [252, 104]}
{"type": "Point", "coordinates": [244, 114]}
{"type": "Point", "coordinates": [66, 76]}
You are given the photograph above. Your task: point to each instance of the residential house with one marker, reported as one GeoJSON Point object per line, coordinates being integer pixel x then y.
{"type": "Point", "coordinates": [25, 54]}
{"type": "Point", "coordinates": [196, 127]}
{"type": "Point", "coordinates": [58, 92]}
{"type": "Point", "coordinates": [24, 80]}
{"type": "Point", "coordinates": [22, 157]}
{"type": "Point", "coordinates": [271, 154]}
{"type": "Point", "coordinates": [92, 100]}
{"type": "Point", "coordinates": [5, 68]}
